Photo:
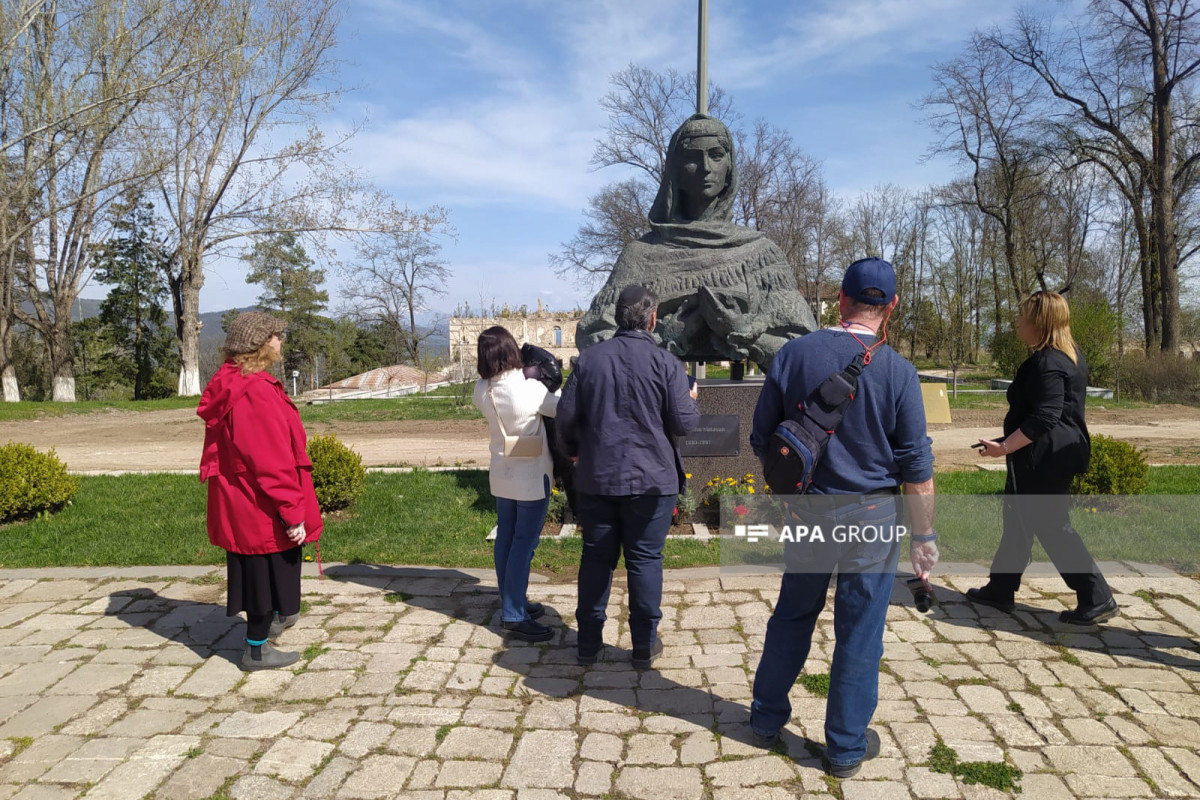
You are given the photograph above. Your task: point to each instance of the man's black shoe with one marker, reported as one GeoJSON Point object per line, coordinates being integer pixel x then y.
{"type": "Point", "coordinates": [1090, 616]}
{"type": "Point", "coordinates": [642, 659]}
{"type": "Point", "coordinates": [529, 631]}
{"type": "Point", "coordinates": [850, 770]}
{"type": "Point", "coordinates": [586, 656]}
{"type": "Point", "coordinates": [986, 597]}
{"type": "Point", "coordinates": [534, 610]}
{"type": "Point", "coordinates": [764, 740]}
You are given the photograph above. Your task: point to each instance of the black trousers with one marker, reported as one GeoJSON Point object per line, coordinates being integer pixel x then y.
{"type": "Point", "coordinates": [1037, 503]}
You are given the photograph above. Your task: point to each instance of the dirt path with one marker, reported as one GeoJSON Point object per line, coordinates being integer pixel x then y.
{"type": "Point", "coordinates": [171, 440]}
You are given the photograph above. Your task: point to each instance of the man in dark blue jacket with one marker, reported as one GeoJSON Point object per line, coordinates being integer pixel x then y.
{"type": "Point", "coordinates": [624, 404]}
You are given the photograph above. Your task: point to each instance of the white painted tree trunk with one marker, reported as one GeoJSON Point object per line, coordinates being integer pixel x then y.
{"type": "Point", "coordinates": [8, 384]}
{"type": "Point", "coordinates": [63, 389]}
{"type": "Point", "coordinates": [189, 380]}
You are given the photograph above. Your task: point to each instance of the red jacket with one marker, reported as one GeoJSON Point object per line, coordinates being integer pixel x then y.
{"type": "Point", "coordinates": [256, 464]}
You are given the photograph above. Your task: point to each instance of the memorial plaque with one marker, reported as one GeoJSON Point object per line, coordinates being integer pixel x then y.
{"type": "Point", "coordinates": [716, 435]}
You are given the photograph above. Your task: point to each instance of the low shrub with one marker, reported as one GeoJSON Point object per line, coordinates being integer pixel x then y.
{"type": "Point", "coordinates": [338, 473]}
{"type": "Point", "coordinates": [1159, 378]}
{"type": "Point", "coordinates": [1117, 467]}
{"type": "Point", "coordinates": [32, 483]}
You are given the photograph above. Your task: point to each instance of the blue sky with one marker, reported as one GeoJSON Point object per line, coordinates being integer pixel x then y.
{"type": "Point", "coordinates": [490, 108]}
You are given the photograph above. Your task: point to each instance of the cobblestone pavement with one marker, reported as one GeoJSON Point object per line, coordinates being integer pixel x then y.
{"type": "Point", "coordinates": [122, 684]}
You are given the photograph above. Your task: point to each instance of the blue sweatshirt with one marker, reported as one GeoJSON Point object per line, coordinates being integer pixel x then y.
{"type": "Point", "coordinates": [881, 442]}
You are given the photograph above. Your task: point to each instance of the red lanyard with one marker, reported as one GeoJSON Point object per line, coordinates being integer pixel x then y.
{"type": "Point", "coordinates": [868, 350]}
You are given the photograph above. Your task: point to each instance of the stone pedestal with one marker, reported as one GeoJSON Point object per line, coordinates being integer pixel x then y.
{"type": "Point", "coordinates": [712, 452]}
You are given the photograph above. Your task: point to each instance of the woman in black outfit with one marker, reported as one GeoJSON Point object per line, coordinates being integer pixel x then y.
{"type": "Point", "coordinates": [1046, 445]}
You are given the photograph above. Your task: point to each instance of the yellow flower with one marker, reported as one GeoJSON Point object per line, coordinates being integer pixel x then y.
{"type": "Point", "coordinates": [687, 475]}
{"type": "Point", "coordinates": [751, 490]}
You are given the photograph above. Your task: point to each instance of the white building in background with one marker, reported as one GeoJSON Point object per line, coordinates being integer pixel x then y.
{"type": "Point", "coordinates": [551, 330]}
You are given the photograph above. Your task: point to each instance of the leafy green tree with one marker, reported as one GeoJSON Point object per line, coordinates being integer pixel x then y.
{"type": "Point", "coordinates": [133, 314]}
{"type": "Point", "coordinates": [291, 282]}
{"type": "Point", "coordinates": [1094, 328]}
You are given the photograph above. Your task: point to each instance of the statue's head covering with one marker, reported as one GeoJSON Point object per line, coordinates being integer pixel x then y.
{"type": "Point", "coordinates": [668, 205]}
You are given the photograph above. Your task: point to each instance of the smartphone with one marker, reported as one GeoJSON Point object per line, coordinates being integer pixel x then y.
{"type": "Point", "coordinates": [980, 446]}
{"type": "Point", "coordinates": [691, 381]}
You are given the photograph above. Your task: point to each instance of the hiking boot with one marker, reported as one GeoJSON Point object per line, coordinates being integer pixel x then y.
{"type": "Point", "coordinates": [844, 771]}
{"type": "Point", "coordinates": [268, 658]}
{"type": "Point", "coordinates": [529, 631]}
{"type": "Point", "coordinates": [280, 624]}
{"type": "Point", "coordinates": [534, 610]}
{"type": "Point", "coordinates": [642, 659]}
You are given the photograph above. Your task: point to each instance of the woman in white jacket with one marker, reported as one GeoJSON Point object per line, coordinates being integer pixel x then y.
{"type": "Point", "coordinates": [520, 480]}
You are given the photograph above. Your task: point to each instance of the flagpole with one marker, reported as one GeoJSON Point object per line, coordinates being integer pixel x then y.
{"type": "Point", "coordinates": [702, 60]}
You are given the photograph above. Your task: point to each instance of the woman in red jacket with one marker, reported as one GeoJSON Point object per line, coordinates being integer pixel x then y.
{"type": "Point", "coordinates": [261, 503]}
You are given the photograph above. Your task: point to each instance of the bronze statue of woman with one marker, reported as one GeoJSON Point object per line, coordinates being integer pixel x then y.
{"type": "Point", "coordinates": [726, 292]}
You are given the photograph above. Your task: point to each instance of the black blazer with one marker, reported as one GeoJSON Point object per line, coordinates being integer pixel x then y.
{"type": "Point", "coordinates": [1046, 402]}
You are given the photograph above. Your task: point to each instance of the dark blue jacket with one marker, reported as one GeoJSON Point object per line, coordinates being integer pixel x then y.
{"type": "Point", "coordinates": [881, 442]}
{"type": "Point", "coordinates": [620, 410]}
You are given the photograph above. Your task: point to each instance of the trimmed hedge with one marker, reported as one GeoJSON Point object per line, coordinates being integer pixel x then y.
{"type": "Point", "coordinates": [1117, 467]}
{"type": "Point", "coordinates": [32, 483]}
{"type": "Point", "coordinates": [338, 473]}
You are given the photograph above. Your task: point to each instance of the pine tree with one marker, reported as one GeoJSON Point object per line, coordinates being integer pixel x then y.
{"type": "Point", "coordinates": [290, 282]}
{"type": "Point", "coordinates": [133, 313]}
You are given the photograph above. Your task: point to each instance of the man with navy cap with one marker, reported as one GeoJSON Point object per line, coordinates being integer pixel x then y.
{"type": "Point", "coordinates": [880, 446]}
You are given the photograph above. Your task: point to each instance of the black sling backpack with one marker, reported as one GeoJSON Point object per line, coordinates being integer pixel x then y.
{"type": "Point", "coordinates": [797, 444]}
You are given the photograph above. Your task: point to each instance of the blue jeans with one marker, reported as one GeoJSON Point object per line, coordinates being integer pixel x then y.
{"type": "Point", "coordinates": [637, 525]}
{"type": "Point", "coordinates": [865, 575]}
{"type": "Point", "coordinates": [518, 529]}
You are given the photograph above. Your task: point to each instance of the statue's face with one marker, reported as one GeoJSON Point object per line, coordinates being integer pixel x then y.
{"type": "Point", "coordinates": [705, 168]}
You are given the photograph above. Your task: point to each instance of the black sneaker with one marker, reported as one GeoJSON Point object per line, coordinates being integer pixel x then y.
{"type": "Point", "coordinates": [987, 597]}
{"type": "Point", "coordinates": [534, 610]}
{"type": "Point", "coordinates": [642, 659]}
{"type": "Point", "coordinates": [843, 771]}
{"type": "Point", "coordinates": [1091, 616]}
{"type": "Point", "coordinates": [529, 631]}
{"type": "Point", "coordinates": [586, 656]}
{"type": "Point", "coordinates": [764, 740]}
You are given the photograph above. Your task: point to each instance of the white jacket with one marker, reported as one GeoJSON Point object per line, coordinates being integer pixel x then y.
{"type": "Point", "coordinates": [519, 402]}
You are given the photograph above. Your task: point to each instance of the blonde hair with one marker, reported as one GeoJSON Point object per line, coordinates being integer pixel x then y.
{"type": "Point", "coordinates": [261, 359]}
{"type": "Point", "coordinates": [1050, 316]}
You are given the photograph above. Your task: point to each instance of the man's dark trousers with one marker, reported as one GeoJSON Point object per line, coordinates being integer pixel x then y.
{"type": "Point", "coordinates": [637, 525]}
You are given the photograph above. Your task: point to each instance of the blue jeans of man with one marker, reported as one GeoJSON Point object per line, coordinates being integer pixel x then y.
{"type": "Point", "coordinates": [865, 576]}
{"type": "Point", "coordinates": [636, 525]}
{"type": "Point", "coordinates": [518, 528]}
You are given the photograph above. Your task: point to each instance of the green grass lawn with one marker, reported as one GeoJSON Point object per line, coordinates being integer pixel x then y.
{"type": "Point", "coordinates": [442, 519]}
{"type": "Point", "coordinates": [434, 407]}
{"type": "Point", "coordinates": [32, 410]}
{"type": "Point", "coordinates": [439, 404]}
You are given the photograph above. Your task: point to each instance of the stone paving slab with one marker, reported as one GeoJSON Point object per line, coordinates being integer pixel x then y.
{"type": "Point", "coordinates": [123, 683]}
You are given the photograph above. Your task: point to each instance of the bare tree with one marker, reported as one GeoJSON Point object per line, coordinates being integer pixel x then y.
{"type": "Point", "coordinates": [241, 152]}
{"type": "Point", "coordinates": [615, 216]}
{"type": "Point", "coordinates": [1153, 47]}
{"type": "Point", "coordinates": [987, 113]}
{"type": "Point", "coordinates": [77, 75]}
{"type": "Point", "coordinates": [393, 276]}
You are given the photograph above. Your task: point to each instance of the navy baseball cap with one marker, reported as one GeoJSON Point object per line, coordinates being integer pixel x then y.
{"type": "Point", "coordinates": [870, 273]}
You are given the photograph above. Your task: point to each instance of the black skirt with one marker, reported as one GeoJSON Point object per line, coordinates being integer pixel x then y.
{"type": "Point", "coordinates": [262, 584]}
